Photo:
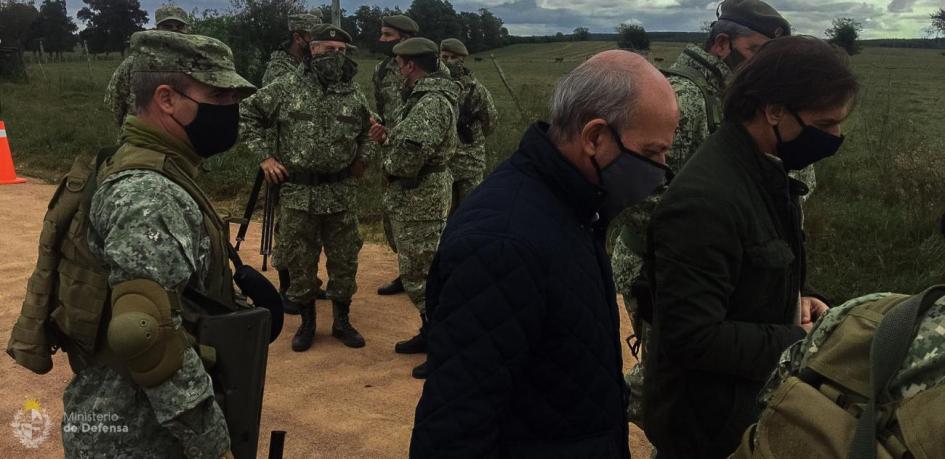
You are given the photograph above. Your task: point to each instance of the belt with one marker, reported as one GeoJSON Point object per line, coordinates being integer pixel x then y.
{"type": "Point", "coordinates": [314, 178]}
{"type": "Point", "coordinates": [413, 182]}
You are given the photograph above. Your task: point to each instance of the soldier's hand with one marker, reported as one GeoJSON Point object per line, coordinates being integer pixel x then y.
{"type": "Point", "coordinates": [273, 171]}
{"type": "Point", "coordinates": [227, 455]}
{"type": "Point", "coordinates": [377, 133]}
{"type": "Point", "coordinates": [811, 310]}
{"type": "Point", "coordinates": [357, 168]}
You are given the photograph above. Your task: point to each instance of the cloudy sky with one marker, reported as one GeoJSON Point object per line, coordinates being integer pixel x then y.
{"type": "Point", "coordinates": [880, 18]}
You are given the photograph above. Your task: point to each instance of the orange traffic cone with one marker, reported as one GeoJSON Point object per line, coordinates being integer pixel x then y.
{"type": "Point", "coordinates": [7, 171]}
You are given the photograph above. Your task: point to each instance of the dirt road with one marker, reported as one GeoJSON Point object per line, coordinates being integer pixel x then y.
{"type": "Point", "coordinates": [334, 402]}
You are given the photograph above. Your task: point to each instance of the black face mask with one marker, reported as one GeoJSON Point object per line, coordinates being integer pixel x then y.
{"type": "Point", "coordinates": [387, 47]}
{"type": "Point", "coordinates": [810, 146]}
{"type": "Point", "coordinates": [734, 59]}
{"type": "Point", "coordinates": [215, 128]}
{"type": "Point", "coordinates": [628, 180]}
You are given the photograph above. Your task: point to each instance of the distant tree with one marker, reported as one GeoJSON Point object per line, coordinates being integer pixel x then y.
{"type": "Point", "coordinates": [581, 34]}
{"type": "Point", "coordinates": [938, 22]}
{"type": "Point", "coordinates": [632, 36]}
{"type": "Point", "coordinates": [437, 19]}
{"type": "Point", "coordinates": [348, 23]}
{"type": "Point", "coordinates": [493, 34]}
{"type": "Point", "coordinates": [259, 27]}
{"type": "Point", "coordinates": [109, 23]}
{"type": "Point", "coordinates": [55, 27]}
{"type": "Point", "coordinates": [472, 34]}
{"type": "Point", "coordinates": [844, 33]}
{"type": "Point", "coordinates": [367, 19]}
{"type": "Point", "coordinates": [16, 21]}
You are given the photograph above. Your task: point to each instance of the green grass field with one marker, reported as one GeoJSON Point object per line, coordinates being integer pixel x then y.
{"type": "Point", "coordinates": [872, 222]}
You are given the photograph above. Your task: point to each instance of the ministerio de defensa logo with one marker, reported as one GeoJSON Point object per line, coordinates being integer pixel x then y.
{"type": "Point", "coordinates": [31, 424]}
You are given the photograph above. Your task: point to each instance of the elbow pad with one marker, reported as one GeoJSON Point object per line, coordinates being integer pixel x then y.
{"type": "Point", "coordinates": [141, 335]}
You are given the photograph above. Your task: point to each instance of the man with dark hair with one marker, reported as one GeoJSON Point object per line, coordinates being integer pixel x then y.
{"type": "Point", "coordinates": [522, 364]}
{"type": "Point", "coordinates": [388, 87]}
{"type": "Point", "coordinates": [477, 119]}
{"type": "Point", "coordinates": [319, 164]}
{"type": "Point", "coordinates": [291, 53]}
{"type": "Point", "coordinates": [119, 97]}
{"type": "Point", "coordinates": [416, 150]}
{"type": "Point", "coordinates": [728, 266]}
{"type": "Point", "coordinates": [155, 231]}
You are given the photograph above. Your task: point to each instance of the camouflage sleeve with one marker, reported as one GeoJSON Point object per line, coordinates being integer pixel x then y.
{"type": "Point", "coordinates": [147, 227]}
{"type": "Point", "coordinates": [378, 92]}
{"type": "Point", "coordinates": [184, 405]}
{"type": "Point", "coordinates": [488, 115]}
{"type": "Point", "coordinates": [415, 138]}
{"type": "Point", "coordinates": [366, 148]}
{"type": "Point", "coordinates": [693, 126]}
{"type": "Point", "coordinates": [258, 119]}
{"type": "Point", "coordinates": [118, 92]}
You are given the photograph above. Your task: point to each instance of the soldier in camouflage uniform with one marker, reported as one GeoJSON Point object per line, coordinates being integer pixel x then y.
{"type": "Point", "coordinates": [416, 154]}
{"type": "Point", "coordinates": [291, 53]}
{"type": "Point", "coordinates": [477, 120]}
{"type": "Point", "coordinates": [698, 76]}
{"type": "Point", "coordinates": [118, 95]}
{"type": "Point", "coordinates": [155, 239]}
{"type": "Point", "coordinates": [285, 60]}
{"type": "Point", "coordinates": [322, 121]}
{"type": "Point", "coordinates": [388, 96]}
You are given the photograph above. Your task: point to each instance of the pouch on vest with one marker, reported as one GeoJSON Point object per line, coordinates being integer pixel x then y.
{"type": "Point", "coordinates": [838, 404]}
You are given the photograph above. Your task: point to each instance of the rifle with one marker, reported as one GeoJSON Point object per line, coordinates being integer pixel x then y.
{"type": "Point", "coordinates": [250, 207]}
{"type": "Point", "coordinates": [269, 223]}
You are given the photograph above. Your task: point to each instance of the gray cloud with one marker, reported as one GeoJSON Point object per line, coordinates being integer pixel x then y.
{"type": "Point", "coordinates": [900, 6]}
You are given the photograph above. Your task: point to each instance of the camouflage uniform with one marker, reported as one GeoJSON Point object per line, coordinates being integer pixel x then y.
{"type": "Point", "coordinates": [144, 226]}
{"type": "Point", "coordinates": [280, 63]}
{"type": "Point", "coordinates": [321, 131]}
{"type": "Point", "coordinates": [388, 97]}
{"type": "Point", "coordinates": [415, 159]}
{"type": "Point", "coordinates": [923, 367]}
{"type": "Point", "coordinates": [477, 111]}
{"type": "Point", "coordinates": [694, 127]}
{"type": "Point", "coordinates": [118, 96]}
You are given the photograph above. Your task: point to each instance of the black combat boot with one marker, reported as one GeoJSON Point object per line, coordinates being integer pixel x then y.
{"type": "Point", "coordinates": [306, 333]}
{"type": "Point", "coordinates": [417, 344]}
{"type": "Point", "coordinates": [394, 287]}
{"type": "Point", "coordinates": [341, 327]}
{"type": "Point", "coordinates": [421, 371]}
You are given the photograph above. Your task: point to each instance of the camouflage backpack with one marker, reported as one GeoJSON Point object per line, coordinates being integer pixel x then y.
{"type": "Point", "coordinates": [713, 103]}
{"type": "Point", "coordinates": [866, 383]}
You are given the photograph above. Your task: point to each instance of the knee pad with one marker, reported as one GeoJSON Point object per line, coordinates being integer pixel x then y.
{"type": "Point", "coordinates": [141, 334]}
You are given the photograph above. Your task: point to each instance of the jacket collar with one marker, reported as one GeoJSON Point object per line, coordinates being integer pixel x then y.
{"type": "Point", "coordinates": [140, 134]}
{"type": "Point", "coordinates": [538, 152]}
{"type": "Point", "coordinates": [764, 169]}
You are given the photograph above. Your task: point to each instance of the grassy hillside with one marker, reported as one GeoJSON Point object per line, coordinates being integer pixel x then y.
{"type": "Point", "coordinates": [872, 220]}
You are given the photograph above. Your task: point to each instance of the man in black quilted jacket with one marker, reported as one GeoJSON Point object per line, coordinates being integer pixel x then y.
{"type": "Point", "coordinates": [524, 346]}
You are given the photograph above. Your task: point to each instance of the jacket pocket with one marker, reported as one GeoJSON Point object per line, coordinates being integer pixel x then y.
{"type": "Point", "coordinates": [774, 254]}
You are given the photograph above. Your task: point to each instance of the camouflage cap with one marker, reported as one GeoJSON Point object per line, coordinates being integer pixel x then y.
{"type": "Point", "coordinates": [454, 46]}
{"type": "Point", "coordinates": [416, 46]}
{"type": "Point", "coordinates": [401, 23]}
{"type": "Point", "coordinates": [170, 13]}
{"type": "Point", "coordinates": [304, 22]}
{"type": "Point", "coordinates": [204, 59]}
{"type": "Point", "coordinates": [756, 15]}
{"type": "Point", "coordinates": [330, 32]}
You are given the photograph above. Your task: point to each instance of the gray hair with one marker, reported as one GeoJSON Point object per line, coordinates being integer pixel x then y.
{"type": "Point", "coordinates": [143, 85]}
{"type": "Point", "coordinates": [732, 29]}
{"type": "Point", "coordinates": [592, 91]}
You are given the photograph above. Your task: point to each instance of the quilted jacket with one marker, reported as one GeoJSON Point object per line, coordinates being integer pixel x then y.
{"type": "Point", "coordinates": [524, 345]}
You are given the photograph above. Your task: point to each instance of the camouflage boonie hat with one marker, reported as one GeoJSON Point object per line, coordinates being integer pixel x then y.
{"type": "Point", "coordinates": [303, 22]}
{"type": "Point", "coordinates": [756, 15]}
{"type": "Point", "coordinates": [454, 46]}
{"type": "Point", "coordinates": [170, 13]}
{"type": "Point", "coordinates": [401, 23]}
{"type": "Point", "coordinates": [330, 32]}
{"type": "Point", "coordinates": [204, 59]}
{"type": "Point", "coordinates": [416, 47]}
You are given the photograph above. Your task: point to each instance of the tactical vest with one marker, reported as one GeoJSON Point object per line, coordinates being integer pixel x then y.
{"type": "Point", "coordinates": [713, 103]}
{"type": "Point", "coordinates": [839, 405]}
{"type": "Point", "coordinates": [66, 304]}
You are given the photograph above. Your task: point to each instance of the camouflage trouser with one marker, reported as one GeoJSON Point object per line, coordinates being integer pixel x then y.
{"type": "Point", "coordinates": [303, 236]}
{"type": "Point", "coordinates": [276, 257]}
{"type": "Point", "coordinates": [106, 415]}
{"type": "Point", "coordinates": [462, 186]}
{"type": "Point", "coordinates": [416, 245]}
{"type": "Point", "coordinates": [389, 233]}
{"type": "Point", "coordinates": [626, 267]}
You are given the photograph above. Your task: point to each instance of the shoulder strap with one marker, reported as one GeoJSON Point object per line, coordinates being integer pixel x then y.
{"type": "Point", "coordinates": [713, 106]}
{"type": "Point", "coordinates": [888, 350]}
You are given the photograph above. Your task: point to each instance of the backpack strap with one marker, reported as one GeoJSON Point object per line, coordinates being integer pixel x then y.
{"type": "Point", "coordinates": [713, 106]}
{"type": "Point", "coordinates": [887, 351]}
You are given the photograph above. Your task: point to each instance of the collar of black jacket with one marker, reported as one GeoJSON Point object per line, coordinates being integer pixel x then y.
{"type": "Point", "coordinates": [764, 169]}
{"type": "Point", "coordinates": [564, 179]}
